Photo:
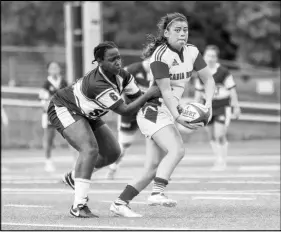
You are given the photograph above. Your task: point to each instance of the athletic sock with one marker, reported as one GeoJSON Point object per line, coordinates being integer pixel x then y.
{"type": "Point", "coordinates": [82, 187]}
{"type": "Point", "coordinates": [159, 185]}
{"type": "Point", "coordinates": [127, 195]}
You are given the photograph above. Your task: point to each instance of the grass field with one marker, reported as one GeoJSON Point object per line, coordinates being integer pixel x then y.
{"type": "Point", "coordinates": [246, 196]}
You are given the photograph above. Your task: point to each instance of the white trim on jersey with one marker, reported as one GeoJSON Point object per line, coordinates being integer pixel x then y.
{"type": "Point", "coordinates": [131, 88]}
{"type": "Point", "coordinates": [64, 116]}
{"type": "Point", "coordinates": [85, 104]}
{"type": "Point", "coordinates": [229, 82]}
{"type": "Point", "coordinates": [107, 79]}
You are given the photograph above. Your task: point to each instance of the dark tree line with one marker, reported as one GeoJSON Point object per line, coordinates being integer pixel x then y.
{"type": "Point", "coordinates": [245, 31]}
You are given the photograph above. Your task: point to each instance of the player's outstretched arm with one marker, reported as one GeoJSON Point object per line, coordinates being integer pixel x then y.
{"type": "Point", "coordinates": [209, 85]}
{"type": "Point", "coordinates": [132, 108]}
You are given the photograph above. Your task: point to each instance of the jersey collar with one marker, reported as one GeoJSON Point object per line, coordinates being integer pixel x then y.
{"type": "Point", "coordinates": [114, 86]}
{"type": "Point", "coordinates": [180, 53]}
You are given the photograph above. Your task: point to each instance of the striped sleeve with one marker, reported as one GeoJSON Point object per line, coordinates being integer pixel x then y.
{"type": "Point", "coordinates": [158, 65]}
{"type": "Point", "coordinates": [109, 98]}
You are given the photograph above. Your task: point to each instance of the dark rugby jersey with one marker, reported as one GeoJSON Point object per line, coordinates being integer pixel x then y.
{"type": "Point", "coordinates": [224, 82]}
{"type": "Point", "coordinates": [50, 87]}
{"type": "Point", "coordinates": [95, 94]}
{"type": "Point", "coordinates": [142, 77]}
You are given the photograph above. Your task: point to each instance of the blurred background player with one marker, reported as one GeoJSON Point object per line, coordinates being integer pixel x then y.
{"type": "Point", "coordinates": [127, 125]}
{"type": "Point", "coordinates": [53, 82]}
{"type": "Point", "coordinates": [4, 116]}
{"type": "Point", "coordinates": [224, 100]}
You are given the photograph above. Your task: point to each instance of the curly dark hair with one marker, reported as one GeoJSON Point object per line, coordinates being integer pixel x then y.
{"type": "Point", "coordinates": [100, 50]}
{"type": "Point", "coordinates": [163, 24]}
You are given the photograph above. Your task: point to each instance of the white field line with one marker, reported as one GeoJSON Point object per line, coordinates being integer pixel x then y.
{"type": "Point", "coordinates": [260, 168]}
{"type": "Point", "coordinates": [136, 158]}
{"type": "Point", "coordinates": [224, 198]}
{"type": "Point", "coordinates": [28, 206]}
{"type": "Point", "coordinates": [116, 191]}
{"type": "Point", "coordinates": [38, 181]}
{"type": "Point", "coordinates": [128, 177]}
{"type": "Point", "coordinates": [94, 227]}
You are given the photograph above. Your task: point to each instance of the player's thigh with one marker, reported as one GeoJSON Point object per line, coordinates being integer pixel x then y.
{"type": "Point", "coordinates": [168, 139]}
{"type": "Point", "coordinates": [222, 122]}
{"type": "Point", "coordinates": [80, 136]}
{"type": "Point", "coordinates": [107, 142]}
{"type": "Point", "coordinates": [154, 155]}
{"type": "Point", "coordinates": [74, 128]}
{"type": "Point", "coordinates": [210, 129]}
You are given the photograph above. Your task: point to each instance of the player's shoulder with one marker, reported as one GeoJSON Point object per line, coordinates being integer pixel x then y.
{"type": "Point", "coordinates": [160, 53]}
{"type": "Point", "coordinates": [223, 69]}
{"type": "Point", "coordinates": [191, 48]}
{"type": "Point", "coordinates": [124, 74]}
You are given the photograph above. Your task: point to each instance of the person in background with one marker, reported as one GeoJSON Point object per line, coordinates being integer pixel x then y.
{"type": "Point", "coordinates": [127, 125]}
{"type": "Point", "coordinates": [224, 100]}
{"type": "Point", "coordinates": [53, 82]}
{"type": "Point", "coordinates": [4, 116]}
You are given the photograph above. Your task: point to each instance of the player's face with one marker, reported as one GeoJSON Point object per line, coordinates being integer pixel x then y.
{"type": "Point", "coordinates": [54, 69]}
{"type": "Point", "coordinates": [112, 61]}
{"type": "Point", "coordinates": [210, 56]}
{"type": "Point", "coordinates": [177, 34]}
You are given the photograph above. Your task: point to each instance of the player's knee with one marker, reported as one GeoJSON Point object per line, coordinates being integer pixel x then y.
{"type": "Point", "coordinates": [222, 139]}
{"type": "Point", "coordinates": [179, 151]}
{"type": "Point", "coordinates": [89, 150]}
{"type": "Point", "coordinates": [114, 155]}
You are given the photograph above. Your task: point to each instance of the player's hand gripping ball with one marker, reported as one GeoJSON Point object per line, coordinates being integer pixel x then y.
{"type": "Point", "coordinates": [195, 113]}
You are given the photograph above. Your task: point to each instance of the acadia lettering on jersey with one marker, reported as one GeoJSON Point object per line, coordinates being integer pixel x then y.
{"type": "Point", "coordinates": [180, 76]}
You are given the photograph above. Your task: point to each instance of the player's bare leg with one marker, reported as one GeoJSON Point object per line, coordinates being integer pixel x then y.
{"type": "Point", "coordinates": [172, 143]}
{"type": "Point", "coordinates": [81, 137]}
{"type": "Point", "coordinates": [220, 146]}
{"type": "Point", "coordinates": [49, 134]}
{"type": "Point", "coordinates": [154, 155]}
{"type": "Point", "coordinates": [112, 168]}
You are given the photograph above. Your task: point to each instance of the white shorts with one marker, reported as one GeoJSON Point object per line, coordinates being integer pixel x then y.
{"type": "Point", "coordinates": [152, 118]}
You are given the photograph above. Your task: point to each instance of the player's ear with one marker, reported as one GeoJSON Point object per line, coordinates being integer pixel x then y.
{"type": "Point", "coordinates": [166, 33]}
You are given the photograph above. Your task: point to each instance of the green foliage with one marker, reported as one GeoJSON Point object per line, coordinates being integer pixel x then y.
{"type": "Point", "coordinates": [253, 26]}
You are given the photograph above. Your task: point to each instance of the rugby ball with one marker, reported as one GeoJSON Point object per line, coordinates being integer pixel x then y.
{"type": "Point", "coordinates": [195, 113]}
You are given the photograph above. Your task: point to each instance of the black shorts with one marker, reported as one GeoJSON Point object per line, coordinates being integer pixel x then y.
{"type": "Point", "coordinates": [61, 117]}
{"type": "Point", "coordinates": [221, 115]}
{"type": "Point", "coordinates": [127, 123]}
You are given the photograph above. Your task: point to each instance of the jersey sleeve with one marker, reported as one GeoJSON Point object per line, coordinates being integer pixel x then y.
{"type": "Point", "coordinates": [199, 62]}
{"type": "Point", "coordinates": [229, 81]}
{"type": "Point", "coordinates": [109, 98]}
{"type": "Point", "coordinates": [159, 65]}
{"type": "Point", "coordinates": [131, 88]}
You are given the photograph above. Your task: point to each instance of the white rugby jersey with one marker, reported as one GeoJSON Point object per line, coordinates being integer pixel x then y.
{"type": "Point", "coordinates": [180, 65]}
{"type": "Point", "coordinates": [95, 94]}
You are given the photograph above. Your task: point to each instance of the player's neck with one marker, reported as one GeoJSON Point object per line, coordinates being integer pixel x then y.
{"type": "Point", "coordinates": [108, 74]}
